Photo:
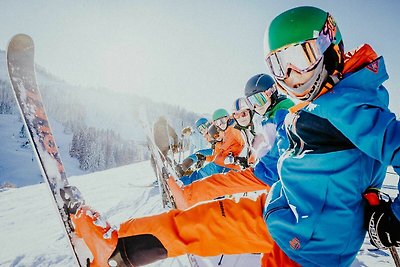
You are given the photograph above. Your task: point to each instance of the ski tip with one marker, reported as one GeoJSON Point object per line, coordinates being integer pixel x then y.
{"type": "Point", "coordinates": [20, 42]}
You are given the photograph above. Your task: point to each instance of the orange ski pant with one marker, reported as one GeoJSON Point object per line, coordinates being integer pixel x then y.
{"type": "Point", "coordinates": [216, 185]}
{"type": "Point", "coordinates": [212, 228]}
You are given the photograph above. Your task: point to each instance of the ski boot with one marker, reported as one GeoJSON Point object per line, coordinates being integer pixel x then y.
{"type": "Point", "coordinates": [99, 236]}
{"type": "Point", "coordinates": [72, 198]}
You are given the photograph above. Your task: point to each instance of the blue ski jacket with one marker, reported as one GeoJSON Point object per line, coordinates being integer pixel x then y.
{"type": "Point", "coordinates": [266, 168]}
{"type": "Point", "coordinates": [340, 144]}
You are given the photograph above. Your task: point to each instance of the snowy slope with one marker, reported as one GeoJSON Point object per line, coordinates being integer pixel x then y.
{"type": "Point", "coordinates": [18, 164]}
{"type": "Point", "coordinates": [31, 235]}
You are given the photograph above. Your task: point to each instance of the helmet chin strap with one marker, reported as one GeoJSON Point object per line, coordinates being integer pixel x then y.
{"type": "Point", "coordinates": [328, 85]}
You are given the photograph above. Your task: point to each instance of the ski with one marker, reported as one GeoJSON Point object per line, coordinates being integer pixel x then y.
{"type": "Point", "coordinates": [164, 170]}
{"type": "Point", "coordinates": [66, 198]}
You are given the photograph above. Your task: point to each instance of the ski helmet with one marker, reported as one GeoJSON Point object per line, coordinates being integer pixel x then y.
{"type": "Point", "coordinates": [260, 83]}
{"type": "Point", "coordinates": [187, 131]}
{"type": "Point", "coordinates": [241, 110]}
{"type": "Point", "coordinates": [240, 104]}
{"type": "Point", "coordinates": [220, 113]}
{"type": "Point", "coordinates": [200, 121]}
{"type": "Point", "coordinates": [307, 31]}
{"type": "Point", "coordinates": [202, 124]}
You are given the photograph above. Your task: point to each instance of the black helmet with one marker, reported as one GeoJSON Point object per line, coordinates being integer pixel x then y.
{"type": "Point", "coordinates": [261, 83]}
{"type": "Point", "coordinates": [258, 83]}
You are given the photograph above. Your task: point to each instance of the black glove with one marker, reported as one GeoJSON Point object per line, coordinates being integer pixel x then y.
{"type": "Point", "coordinates": [242, 161]}
{"type": "Point", "coordinates": [200, 157]}
{"type": "Point", "coordinates": [382, 225]}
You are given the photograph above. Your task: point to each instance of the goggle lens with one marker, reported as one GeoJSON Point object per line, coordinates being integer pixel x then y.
{"type": "Point", "coordinates": [259, 99]}
{"type": "Point", "coordinates": [219, 122]}
{"type": "Point", "coordinates": [301, 57]}
{"type": "Point", "coordinates": [202, 127]}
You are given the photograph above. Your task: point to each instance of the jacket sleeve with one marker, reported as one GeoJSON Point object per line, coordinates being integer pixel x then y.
{"type": "Point", "coordinates": [368, 123]}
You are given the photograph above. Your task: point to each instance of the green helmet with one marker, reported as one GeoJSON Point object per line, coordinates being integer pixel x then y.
{"type": "Point", "coordinates": [297, 25]}
{"type": "Point", "coordinates": [219, 113]}
{"type": "Point", "coordinates": [314, 33]}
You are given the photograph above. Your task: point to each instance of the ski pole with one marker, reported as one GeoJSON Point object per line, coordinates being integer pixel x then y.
{"type": "Point", "coordinates": [220, 260]}
{"type": "Point", "coordinates": [395, 256]}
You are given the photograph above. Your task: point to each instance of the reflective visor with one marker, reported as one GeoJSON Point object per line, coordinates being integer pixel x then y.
{"type": "Point", "coordinates": [221, 121]}
{"type": "Point", "coordinates": [259, 99]}
{"type": "Point", "coordinates": [203, 127]}
{"type": "Point", "coordinates": [301, 57]}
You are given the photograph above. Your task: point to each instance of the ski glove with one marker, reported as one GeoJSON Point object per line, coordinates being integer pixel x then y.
{"type": "Point", "coordinates": [242, 161]}
{"type": "Point", "coordinates": [200, 157]}
{"type": "Point", "coordinates": [382, 225]}
{"type": "Point", "coordinates": [200, 160]}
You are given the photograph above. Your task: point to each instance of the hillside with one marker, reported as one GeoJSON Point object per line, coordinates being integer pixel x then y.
{"type": "Point", "coordinates": [102, 123]}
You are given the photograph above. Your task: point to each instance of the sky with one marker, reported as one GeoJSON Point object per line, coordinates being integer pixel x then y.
{"type": "Point", "coordinates": [196, 54]}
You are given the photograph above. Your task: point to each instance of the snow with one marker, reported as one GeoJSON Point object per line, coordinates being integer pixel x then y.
{"type": "Point", "coordinates": [18, 164]}
{"type": "Point", "coordinates": [32, 235]}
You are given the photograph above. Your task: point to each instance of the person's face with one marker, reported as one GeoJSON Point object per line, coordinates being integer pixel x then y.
{"type": "Point", "coordinates": [222, 123]}
{"type": "Point", "coordinates": [218, 136]}
{"type": "Point", "coordinates": [296, 79]}
{"type": "Point", "coordinates": [243, 117]}
{"type": "Point", "coordinates": [295, 67]}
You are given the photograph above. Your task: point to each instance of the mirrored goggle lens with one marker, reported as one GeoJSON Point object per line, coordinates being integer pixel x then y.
{"type": "Point", "coordinates": [259, 99]}
{"type": "Point", "coordinates": [241, 114]}
{"type": "Point", "coordinates": [301, 57]}
{"type": "Point", "coordinates": [202, 127]}
{"type": "Point", "coordinates": [221, 121]}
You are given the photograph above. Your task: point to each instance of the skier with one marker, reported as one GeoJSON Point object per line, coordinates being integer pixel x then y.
{"type": "Point", "coordinates": [262, 95]}
{"type": "Point", "coordinates": [202, 125]}
{"type": "Point", "coordinates": [232, 144]}
{"type": "Point", "coordinates": [243, 116]}
{"type": "Point", "coordinates": [202, 146]}
{"type": "Point", "coordinates": [342, 138]}
{"type": "Point", "coordinates": [232, 140]}
{"type": "Point", "coordinates": [194, 140]}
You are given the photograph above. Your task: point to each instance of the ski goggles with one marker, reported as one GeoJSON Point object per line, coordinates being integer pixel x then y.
{"type": "Point", "coordinates": [203, 127]}
{"type": "Point", "coordinates": [241, 114]}
{"type": "Point", "coordinates": [258, 100]}
{"type": "Point", "coordinates": [221, 121]}
{"type": "Point", "coordinates": [301, 57]}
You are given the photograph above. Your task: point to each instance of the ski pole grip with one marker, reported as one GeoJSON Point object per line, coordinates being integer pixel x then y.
{"type": "Point", "coordinates": [372, 196]}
